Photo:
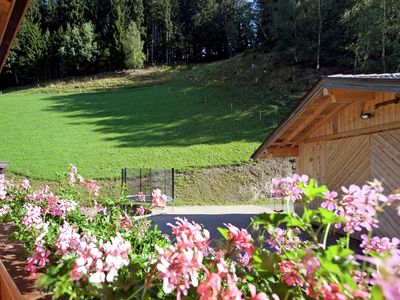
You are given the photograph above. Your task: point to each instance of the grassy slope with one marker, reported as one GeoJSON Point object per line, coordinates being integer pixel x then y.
{"type": "Point", "coordinates": [153, 118]}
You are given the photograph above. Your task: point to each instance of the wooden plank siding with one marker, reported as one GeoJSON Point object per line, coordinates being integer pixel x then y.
{"type": "Point", "coordinates": [349, 119]}
{"type": "Point", "coordinates": [358, 159]}
{"type": "Point", "coordinates": [385, 166]}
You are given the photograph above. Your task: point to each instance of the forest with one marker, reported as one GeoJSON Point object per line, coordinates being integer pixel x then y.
{"type": "Point", "coordinates": [62, 38]}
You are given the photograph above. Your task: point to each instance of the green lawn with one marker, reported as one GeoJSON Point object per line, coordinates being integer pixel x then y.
{"type": "Point", "coordinates": [140, 120]}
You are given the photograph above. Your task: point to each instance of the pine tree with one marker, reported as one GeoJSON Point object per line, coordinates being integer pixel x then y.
{"type": "Point", "coordinates": [133, 47]}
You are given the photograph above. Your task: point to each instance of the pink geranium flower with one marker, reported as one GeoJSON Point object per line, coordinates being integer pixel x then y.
{"type": "Point", "coordinates": [25, 185]}
{"type": "Point", "coordinates": [72, 172]}
{"type": "Point", "coordinates": [4, 210]}
{"type": "Point", "coordinates": [68, 240]}
{"type": "Point", "coordinates": [141, 196]}
{"type": "Point", "coordinates": [140, 211]}
{"type": "Point", "coordinates": [288, 187]}
{"type": "Point", "coordinates": [33, 217]}
{"type": "Point", "coordinates": [38, 259]}
{"type": "Point", "coordinates": [290, 273]}
{"type": "Point", "coordinates": [358, 207]}
{"type": "Point", "coordinates": [5, 187]}
{"type": "Point", "coordinates": [210, 287]}
{"type": "Point", "coordinates": [241, 239]}
{"type": "Point", "coordinates": [232, 292]}
{"type": "Point", "coordinates": [179, 265]}
{"type": "Point", "coordinates": [158, 199]}
{"type": "Point", "coordinates": [125, 222]}
{"type": "Point", "coordinates": [254, 295]}
{"type": "Point", "coordinates": [330, 202]}
{"type": "Point", "coordinates": [281, 239]}
{"type": "Point", "coordinates": [381, 245]}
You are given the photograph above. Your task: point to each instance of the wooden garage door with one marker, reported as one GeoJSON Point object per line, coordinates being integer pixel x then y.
{"type": "Point", "coordinates": [385, 166]}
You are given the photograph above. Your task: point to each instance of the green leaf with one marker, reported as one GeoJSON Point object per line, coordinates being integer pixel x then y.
{"type": "Point", "coordinates": [332, 267]}
{"type": "Point", "coordinates": [224, 232]}
{"type": "Point", "coordinates": [329, 217]}
{"type": "Point", "coordinates": [266, 262]}
{"type": "Point", "coordinates": [295, 222]}
{"type": "Point", "coordinates": [266, 219]}
{"type": "Point", "coordinates": [312, 190]}
{"type": "Point", "coordinates": [376, 293]}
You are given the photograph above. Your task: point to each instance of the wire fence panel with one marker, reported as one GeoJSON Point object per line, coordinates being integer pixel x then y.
{"type": "Point", "coordinates": [146, 180]}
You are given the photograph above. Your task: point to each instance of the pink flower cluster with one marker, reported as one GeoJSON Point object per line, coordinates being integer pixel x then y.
{"type": "Point", "coordinates": [304, 275]}
{"type": "Point", "coordinates": [5, 187]}
{"type": "Point", "coordinates": [94, 261]}
{"type": "Point", "coordinates": [59, 208]}
{"type": "Point", "coordinates": [72, 174]}
{"type": "Point", "coordinates": [39, 258]}
{"type": "Point", "coordinates": [33, 217]}
{"type": "Point", "coordinates": [140, 211]}
{"type": "Point", "coordinates": [55, 206]}
{"type": "Point", "coordinates": [158, 199]}
{"type": "Point", "coordinates": [288, 187]}
{"type": "Point", "coordinates": [330, 201]}
{"type": "Point", "coordinates": [68, 240]}
{"type": "Point", "coordinates": [4, 210]}
{"type": "Point", "coordinates": [281, 239]}
{"type": "Point", "coordinates": [388, 275]}
{"type": "Point", "coordinates": [178, 266]}
{"type": "Point", "coordinates": [240, 239]}
{"type": "Point", "coordinates": [358, 207]}
{"type": "Point", "coordinates": [125, 222]}
{"type": "Point", "coordinates": [141, 197]}
{"type": "Point", "coordinates": [39, 195]}
{"type": "Point", "coordinates": [212, 288]}
{"type": "Point", "coordinates": [88, 263]}
{"type": "Point", "coordinates": [89, 184]}
{"type": "Point", "coordinates": [25, 184]}
{"type": "Point", "coordinates": [381, 245]}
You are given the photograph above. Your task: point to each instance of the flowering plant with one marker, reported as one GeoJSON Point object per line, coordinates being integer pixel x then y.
{"type": "Point", "coordinates": [290, 255]}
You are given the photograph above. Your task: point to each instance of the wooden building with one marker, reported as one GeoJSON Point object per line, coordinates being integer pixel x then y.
{"type": "Point", "coordinates": [345, 130]}
{"type": "Point", "coordinates": [11, 15]}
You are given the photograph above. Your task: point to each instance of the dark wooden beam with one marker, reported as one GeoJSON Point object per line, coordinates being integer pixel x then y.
{"type": "Point", "coordinates": [280, 152]}
{"type": "Point", "coordinates": [18, 12]}
{"type": "Point", "coordinates": [321, 122]}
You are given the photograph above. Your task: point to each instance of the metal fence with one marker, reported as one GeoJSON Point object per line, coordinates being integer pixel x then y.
{"type": "Point", "coordinates": [146, 180]}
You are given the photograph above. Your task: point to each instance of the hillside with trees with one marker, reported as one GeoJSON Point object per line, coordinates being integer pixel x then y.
{"type": "Point", "coordinates": [62, 38]}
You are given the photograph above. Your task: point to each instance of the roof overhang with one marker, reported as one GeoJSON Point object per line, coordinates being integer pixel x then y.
{"type": "Point", "coordinates": [11, 15]}
{"type": "Point", "coordinates": [327, 97]}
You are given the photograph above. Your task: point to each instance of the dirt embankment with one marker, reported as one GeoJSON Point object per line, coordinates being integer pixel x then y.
{"type": "Point", "coordinates": [243, 183]}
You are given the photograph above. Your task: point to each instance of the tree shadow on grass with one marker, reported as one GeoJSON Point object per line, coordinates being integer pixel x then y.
{"type": "Point", "coordinates": [169, 115]}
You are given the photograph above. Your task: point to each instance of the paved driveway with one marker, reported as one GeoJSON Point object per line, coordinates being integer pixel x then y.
{"type": "Point", "coordinates": [210, 221]}
{"type": "Point", "coordinates": [211, 217]}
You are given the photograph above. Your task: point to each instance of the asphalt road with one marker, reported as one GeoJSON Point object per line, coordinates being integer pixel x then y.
{"type": "Point", "coordinates": [210, 222]}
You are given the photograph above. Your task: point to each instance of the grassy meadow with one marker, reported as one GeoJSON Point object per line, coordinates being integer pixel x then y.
{"type": "Point", "coordinates": [158, 117]}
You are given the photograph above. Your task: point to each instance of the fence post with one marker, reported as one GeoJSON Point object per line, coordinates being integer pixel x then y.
{"type": "Point", "coordinates": [140, 180]}
{"type": "Point", "coordinates": [173, 184]}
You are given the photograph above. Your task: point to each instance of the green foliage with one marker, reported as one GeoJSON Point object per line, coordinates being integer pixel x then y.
{"type": "Point", "coordinates": [133, 48]}
{"type": "Point", "coordinates": [78, 45]}
{"type": "Point", "coordinates": [358, 33]}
